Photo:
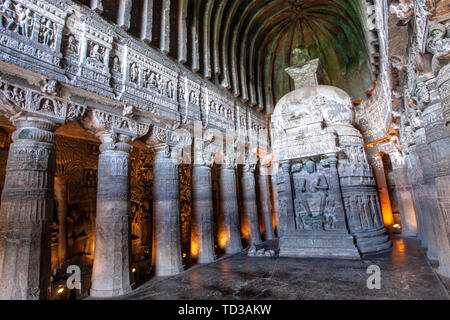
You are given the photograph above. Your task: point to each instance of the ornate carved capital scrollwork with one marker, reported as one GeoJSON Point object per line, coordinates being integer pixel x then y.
{"type": "Point", "coordinates": [438, 44]}
{"type": "Point", "coordinates": [39, 104]}
{"type": "Point", "coordinates": [97, 121]}
{"type": "Point", "coordinates": [205, 151]}
{"type": "Point", "coordinates": [403, 10]}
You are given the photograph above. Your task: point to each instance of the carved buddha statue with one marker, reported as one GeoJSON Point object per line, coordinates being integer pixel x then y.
{"type": "Point", "coordinates": [311, 189]}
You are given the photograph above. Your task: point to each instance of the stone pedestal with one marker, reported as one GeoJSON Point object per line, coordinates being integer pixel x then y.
{"type": "Point", "coordinates": [229, 211]}
{"type": "Point", "coordinates": [330, 181]}
{"type": "Point", "coordinates": [166, 214]}
{"type": "Point", "coordinates": [250, 227]}
{"type": "Point", "coordinates": [61, 209]}
{"type": "Point", "coordinates": [26, 211]}
{"type": "Point", "coordinates": [383, 191]}
{"type": "Point", "coordinates": [264, 203]}
{"type": "Point", "coordinates": [202, 229]}
{"type": "Point", "coordinates": [111, 271]}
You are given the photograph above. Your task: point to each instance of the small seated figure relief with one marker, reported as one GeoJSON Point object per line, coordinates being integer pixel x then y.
{"type": "Point", "coordinates": [313, 207]}
{"type": "Point", "coordinates": [96, 57]}
{"type": "Point", "coordinates": [72, 44]}
{"type": "Point", "coordinates": [116, 65]}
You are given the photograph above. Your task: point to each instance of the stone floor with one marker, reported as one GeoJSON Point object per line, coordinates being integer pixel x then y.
{"type": "Point", "coordinates": [405, 274]}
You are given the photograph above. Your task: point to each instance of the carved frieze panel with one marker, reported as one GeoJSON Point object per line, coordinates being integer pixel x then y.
{"type": "Point", "coordinates": [32, 29]}
{"type": "Point", "coordinates": [36, 103]}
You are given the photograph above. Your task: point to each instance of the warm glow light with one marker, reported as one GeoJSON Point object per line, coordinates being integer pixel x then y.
{"type": "Point", "coordinates": [194, 247]}
{"type": "Point", "coordinates": [133, 270]}
{"type": "Point", "coordinates": [223, 239]}
{"type": "Point", "coordinates": [60, 290]}
{"type": "Point", "coordinates": [184, 255]}
{"type": "Point", "coordinates": [397, 226]}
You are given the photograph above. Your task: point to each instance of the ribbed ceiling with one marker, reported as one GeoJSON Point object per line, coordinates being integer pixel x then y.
{"type": "Point", "coordinates": [245, 45]}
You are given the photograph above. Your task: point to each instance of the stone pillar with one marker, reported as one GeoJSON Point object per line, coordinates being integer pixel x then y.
{"type": "Point", "coordinates": [111, 272]}
{"type": "Point", "coordinates": [202, 234]}
{"type": "Point", "coordinates": [97, 5]}
{"type": "Point", "coordinates": [166, 214]}
{"type": "Point", "coordinates": [61, 210]}
{"type": "Point", "coordinates": [443, 84]}
{"type": "Point", "coordinates": [124, 14]}
{"type": "Point", "coordinates": [250, 226]}
{"type": "Point", "coordinates": [274, 199]}
{"type": "Point", "coordinates": [438, 140]}
{"type": "Point", "coordinates": [265, 206]}
{"type": "Point", "coordinates": [423, 159]}
{"type": "Point", "coordinates": [147, 21]}
{"type": "Point", "coordinates": [404, 195]}
{"type": "Point", "coordinates": [26, 211]}
{"type": "Point", "coordinates": [425, 193]}
{"type": "Point", "coordinates": [229, 211]}
{"type": "Point", "coordinates": [383, 191]}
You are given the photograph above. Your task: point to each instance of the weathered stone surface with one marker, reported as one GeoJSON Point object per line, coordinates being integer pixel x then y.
{"type": "Point", "coordinates": [229, 226]}
{"type": "Point", "coordinates": [26, 211]}
{"type": "Point", "coordinates": [265, 203]}
{"type": "Point", "coordinates": [111, 269]}
{"type": "Point", "coordinates": [166, 214]}
{"type": "Point", "coordinates": [202, 230]}
{"type": "Point", "coordinates": [250, 225]}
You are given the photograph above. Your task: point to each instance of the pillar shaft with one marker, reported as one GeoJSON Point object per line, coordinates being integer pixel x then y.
{"type": "Point", "coordinates": [403, 190]}
{"type": "Point", "coordinates": [265, 206]}
{"type": "Point", "coordinates": [250, 228]}
{"type": "Point", "coordinates": [426, 197]}
{"type": "Point", "coordinates": [229, 232]}
{"type": "Point", "coordinates": [147, 21]}
{"type": "Point", "coordinates": [438, 140]}
{"type": "Point", "coordinates": [274, 199]}
{"type": "Point", "coordinates": [124, 14]}
{"type": "Point", "coordinates": [97, 5]}
{"type": "Point", "coordinates": [166, 215]}
{"type": "Point", "coordinates": [111, 272]}
{"type": "Point", "coordinates": [26, 211]}
{"type": "Point", "coordinates": [202, 236]}
{"type": "Point", "coordinates": [383, 191]}
{"type": "Point", "coordinates": [61, 210]}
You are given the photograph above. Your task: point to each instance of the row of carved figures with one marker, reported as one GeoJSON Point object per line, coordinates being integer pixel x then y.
{"type": "Point", "coordinates": [22, 20]}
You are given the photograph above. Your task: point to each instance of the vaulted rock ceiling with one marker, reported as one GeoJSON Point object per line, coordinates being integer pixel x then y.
{"type": "Point", "coordinates": [245, 45]}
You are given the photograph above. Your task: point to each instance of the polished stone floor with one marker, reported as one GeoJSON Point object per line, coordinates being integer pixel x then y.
{"type": "Point", "coordinates": [405, 274]}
